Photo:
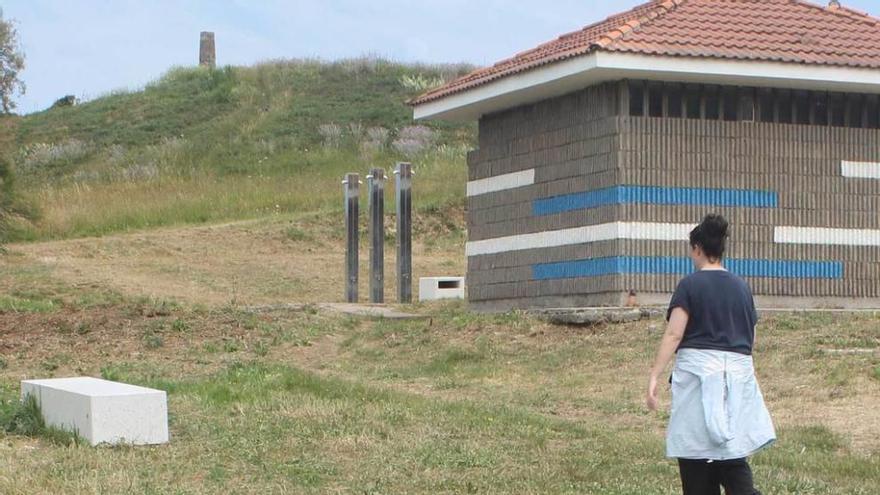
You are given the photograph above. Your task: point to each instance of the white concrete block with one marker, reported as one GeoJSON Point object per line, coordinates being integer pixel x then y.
{"type": "Point", "coordinates": [102, 411]}
{"type": "Point", "coordinates": [436, 288]}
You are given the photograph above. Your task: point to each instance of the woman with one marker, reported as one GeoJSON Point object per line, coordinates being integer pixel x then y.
{"type": "Point", "coordinates": [718, 415]}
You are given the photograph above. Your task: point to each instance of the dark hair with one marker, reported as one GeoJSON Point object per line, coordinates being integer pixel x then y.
{"type": "Point", "coordinates": [711, 235]}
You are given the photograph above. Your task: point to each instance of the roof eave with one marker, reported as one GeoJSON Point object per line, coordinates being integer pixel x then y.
{"type": "Point", "coordinates": [514, 90]}
{"type": "Point", "coordinates": [573, 74]}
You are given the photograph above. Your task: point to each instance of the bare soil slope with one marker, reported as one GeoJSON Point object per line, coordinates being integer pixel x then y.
{"type": "Point", "coordinates": [250, 262]}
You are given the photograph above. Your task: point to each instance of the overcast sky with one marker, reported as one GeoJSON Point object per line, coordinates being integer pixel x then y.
{"type": "Point", "coordinates": [89, 47]}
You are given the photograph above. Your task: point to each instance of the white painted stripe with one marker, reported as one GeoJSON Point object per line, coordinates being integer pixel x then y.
{"type": "Point", "coordinates": [654, 231]}
{"type": "Point", "coordinates": [501, 182]}
{"type": "Point", "coordinates": [827, 236]}
{"type": "Point", "coordinates": [581, 235]}
{"type": "Point", "coordinates": [864, 170]}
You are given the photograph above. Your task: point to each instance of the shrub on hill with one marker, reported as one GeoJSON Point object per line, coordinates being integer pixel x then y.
{"type": "Point", "coordinates": [13, 210]}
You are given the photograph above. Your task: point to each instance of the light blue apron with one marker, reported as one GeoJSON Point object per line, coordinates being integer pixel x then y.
{"type": "Point", "coordinates": [718, 411]}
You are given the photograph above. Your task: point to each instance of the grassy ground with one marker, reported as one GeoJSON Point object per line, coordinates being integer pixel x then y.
{"type": "Point", "coordinates": [306, 401]}
{"type": "Point", "coordinates": [277, 259]}
{"type": "Point", "coordinates": [72, 210]}
{"type": "Point", "coordinates": [313, 403]}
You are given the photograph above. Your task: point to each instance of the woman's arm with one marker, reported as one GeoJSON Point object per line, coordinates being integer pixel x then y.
{"type": "Point", "coordinates": [674, 333]}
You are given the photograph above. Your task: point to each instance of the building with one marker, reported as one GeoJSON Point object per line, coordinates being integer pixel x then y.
{"type": "Point", "coordinates": [600, 150]}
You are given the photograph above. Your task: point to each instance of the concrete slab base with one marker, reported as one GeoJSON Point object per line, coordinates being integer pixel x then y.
{"type": "Point", "coordinates": [645, 299]}
{"type": "Point", "coordinates": [101, 411]}
{"type": "Point", "coordinates": [370, 310]}
{"type": "Point", "coordinates": [595, 316]}
{"type": "Point", "coordinates": [351, 309]}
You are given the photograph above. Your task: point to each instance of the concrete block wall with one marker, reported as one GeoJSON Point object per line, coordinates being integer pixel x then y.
{"type": "Point", "coordinates": [804, 166]}
{"type": "Point", "coordinates": [572, 203]}
{"type": "Point", "coordinates": [551, 148]}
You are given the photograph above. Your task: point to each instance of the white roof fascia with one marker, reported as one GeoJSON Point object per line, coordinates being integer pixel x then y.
{"type": "Point", "coordinates": [510, 91]}
{"type": "Point", "coordinates": [564, 77]}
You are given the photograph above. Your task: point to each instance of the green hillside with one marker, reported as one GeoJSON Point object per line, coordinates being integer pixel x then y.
{"type": "Point", "coordinates": [203, 145]}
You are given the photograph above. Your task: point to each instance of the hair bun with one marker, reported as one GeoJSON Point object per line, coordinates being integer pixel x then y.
{"type": "Point", "coordinates": [715, 225]}
{"type": "Point", "coordinates": [711, 235]}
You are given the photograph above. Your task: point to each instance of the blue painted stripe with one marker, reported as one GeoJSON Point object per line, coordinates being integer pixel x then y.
{"type": "Point", "coordinates": [681, 266]}
{"type": "Point", "coordinates": [657, 196]}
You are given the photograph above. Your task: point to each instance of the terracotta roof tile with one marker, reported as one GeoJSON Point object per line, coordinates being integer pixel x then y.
{"type": "Point", "coordinates": [771, 30]}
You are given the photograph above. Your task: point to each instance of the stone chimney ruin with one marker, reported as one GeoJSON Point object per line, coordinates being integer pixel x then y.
{"type": "Point", "coordinates": [207, 51]}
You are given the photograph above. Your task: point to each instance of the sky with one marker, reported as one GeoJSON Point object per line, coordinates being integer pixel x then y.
{"type": "Point", "coordinates": [91, 47]}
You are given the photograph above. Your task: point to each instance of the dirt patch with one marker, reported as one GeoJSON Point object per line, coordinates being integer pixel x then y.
{"type": "Point", "coordinates": [239, 263]}
{"type": "Point", "coordinates": [158, 341]}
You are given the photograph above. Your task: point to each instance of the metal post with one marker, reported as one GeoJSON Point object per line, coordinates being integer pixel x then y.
{"type": "Point", "coordinates": [352, 192]}
{"type": "Point", "coordinates": [377, 235]}
{"type": "Point", "coordinates": [403, 181]}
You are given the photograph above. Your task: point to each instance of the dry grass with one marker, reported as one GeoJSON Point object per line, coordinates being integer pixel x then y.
{"type": "Point", "coordinates": [275, 260]}
{"type": "Point", "coordinates": [317, 403]}
{"type": "Point", "coordinates": [78, 209]}
{"type": "Point", "coordinates": [304, 401]}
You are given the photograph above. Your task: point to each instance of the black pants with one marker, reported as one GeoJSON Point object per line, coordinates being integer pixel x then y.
{"type": "Point", "coordinates": [700, 477]}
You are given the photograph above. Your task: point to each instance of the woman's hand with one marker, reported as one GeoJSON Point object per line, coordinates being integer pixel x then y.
{"type": "Point", "coordinates": [651, 397]}
{"type": "Point", "coordinates": [674, 333]}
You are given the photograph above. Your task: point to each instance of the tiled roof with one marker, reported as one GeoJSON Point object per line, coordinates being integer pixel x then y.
{"type": "Point", "coordinates": [770, 30]}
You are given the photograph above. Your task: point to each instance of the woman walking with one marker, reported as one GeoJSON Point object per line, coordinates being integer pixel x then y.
{"type": "Point", "coordinates": [718, 415]}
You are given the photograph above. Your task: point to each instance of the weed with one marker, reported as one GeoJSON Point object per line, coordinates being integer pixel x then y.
{"type": "Point", "coordinates": [248, 321]}
{"type": "Point", "coordinates": [450, 360]}
{"type": "Point", "coordinates": [297, 234]}
{"type": "Point", "coordinates": [419, 82]}
{"type": "Point", "coordinates": [49, 365]}
{"type": "Point", "coordinates": [152, 307]}
{"type": "Point", "coordinates": [25, 418]}
{"type": "Point", "coordinates": [64, 328]}
{"type": "Point", "coordinates": [180, 325]}
{"type": "Point", "coordinates": [414, 140]}
{"type": "Point", "coordinates": [814, 438]}
{"type": "Point", "coordinates": [261, 349]}
{"type": "Point", "coordinates": [25, 305]}
{"type": "Point", "coordinates": [153, 341]}
{"type": "Point", "coordinates": [83, 328]}
{"type": "Point", "coordinates": [113, 373]}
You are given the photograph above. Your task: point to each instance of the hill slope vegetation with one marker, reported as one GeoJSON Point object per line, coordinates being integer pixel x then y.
{"type": "Point", "coordinates": [202, 145]}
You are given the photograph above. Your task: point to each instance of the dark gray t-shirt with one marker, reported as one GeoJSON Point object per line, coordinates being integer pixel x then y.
{"type": "Point", "coordinates": [721, 311]}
